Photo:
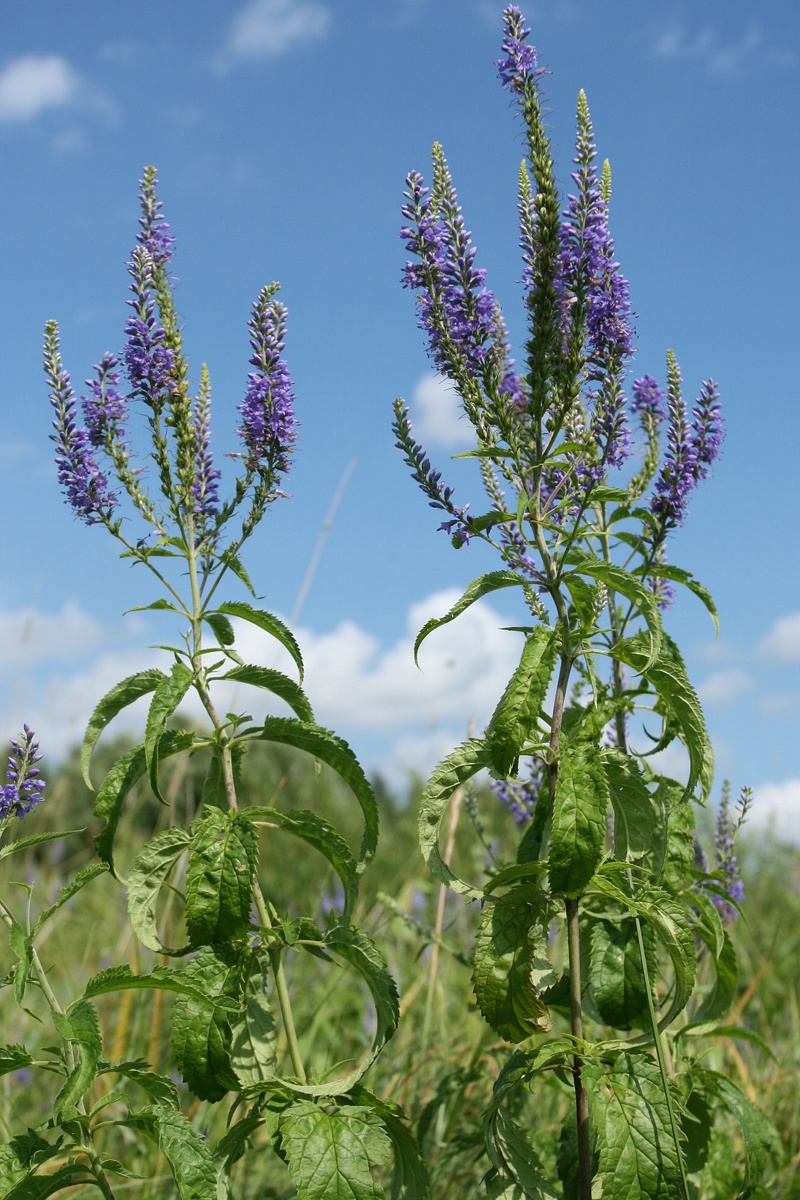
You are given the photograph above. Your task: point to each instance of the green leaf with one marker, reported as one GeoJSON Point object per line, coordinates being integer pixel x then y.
{"type": "Point", "coordinates": [82, 1028]}
{"type": "Point", "coordinates": [118, 979]}
{"type": "Point", "coordinates": [159, 1089]}
{"type": "Point", "coordinates": [757, 1132]}
{"type": "Point", "coordinates": [480, 587]}
{"type": "Point", "coordinates": [459, 766]}
{"type": "Point", "coordinates": [253, 1048]}
{"type": "Point", "coordinates": [40, 1187]}
{"type": "Point", "coordinates": [219, 878]}
{"type": "Point", "coordinates": [514, 1157]}
{"type": "Point", "coordinates": [410, 1180]}
{"type": "Point", "coordinates": [17, 1157]}
{"type": "Point", "coordinates": [269, 623]}
{"type": "Point", "coordinates": [331, 1155]}
{"type": "Point", "coordinates": [336, 753]}
{"type": "Point", "coordinates": [119, 781]}
{"type": "Point", "coordinates": [672, 857]}
{"type": "Point", "coordinates": [668, 676]}
{"type": "Point", "coordinates": [503, 965]}
{"type": "Point", "coordinates": [120, 696]}
{"type": "Point", "coordinates": [201, 1034]}
{"type": "Point", "coordinates": [150, 871]}
{"type": "Point", "coordinates": [579, 819]}
{"type": "Point", "coordinates": [277, 683]}
{"type": "Point", "coordinates": [317, 832]}
{"type": "Point", "coordinates": [69, 890]}
{"type": "Point", "coordinates": [516, 717]}
{"type": "Point", "coordinates": [678, 575]}
{"type": "Point", "coordinates": [620, 580]}
{"type": "Point", "coordinates": [166, 698]}
{"type": "Point", "coordinates": [718, 1002]}
{"type": "Point", "coordinates": [36, 839]}
{"type": "Point", "coordinates": [22, 947]}
{"type": "Point", "coordinates": [638, 1159]}
{"type": "Point", "coordinates": [189, 1157]}
{"type": "Point", "coordinates": [221, 627]}
{"type": "Point", "coordinates": [615, 973]}
{"type": "Point", "coordinates": [634, 817]}
{"type": "Point", "coordinates": [360, 951]}
{"type": "Point", "coordinates": [13, 1058]}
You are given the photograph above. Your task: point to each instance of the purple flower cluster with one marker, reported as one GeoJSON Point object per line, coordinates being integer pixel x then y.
{"type": "Point", "coordinates": [692, 448]}
{"type": "Point", "coordinates": [154, 236]}
{"type": "Point", "coordinates": [85, 485]}
{"type": "Point", "coordinates": [23, 788]}
{"type": "Point", "coordinates": [727, 829]}
{"type": "Point", "coordinates": [648, 399]}
{"type": "Point", "coordinates": [520, 795]}
{"type": "Point", "coordinates": [519, 63]}
{"type": "Point", "coordinates": [430, 480]}
{"type": "Point", "coordinates": [104, 409]}
{"type": "Point", "coordinates": [268, 426]}
{"type": "Point", "coordinates": [148, 360]}
{"type": "Point", "coordinates": [456, 311]}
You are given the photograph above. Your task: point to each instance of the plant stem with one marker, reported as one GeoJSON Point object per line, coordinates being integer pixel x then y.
{"type": "Point", "coordinates": [284, 1000]}
{"type": "Point", "coordinates": [576, 1023]}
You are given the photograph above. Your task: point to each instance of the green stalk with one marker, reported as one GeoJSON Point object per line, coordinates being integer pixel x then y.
{"type": "Point", "coordinates": [284, 999]}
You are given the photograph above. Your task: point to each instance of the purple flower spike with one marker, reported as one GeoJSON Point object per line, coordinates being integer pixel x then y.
{"type": "Point", "coordinates": [727, 828]}
{"type": "Point", "coordinates": [691, 449]}
{"type": "Point", "coordinates": [154, 235]}
{"type": "Point", "coordinates": [520, 795]}
{"type": "Point", "coordinates": [707, 426]}
{"type": "Point", "coordinates": [206, 485]}
{"type": "Point", "coordinates": [519, 63]}
{"type": "Point", "coordinates": [78, 473]}
{"type": "Point", "coordinates": [23, 788]}
{"type": "Point", "coordinates": [268, 427]}
{"type": "Point", "coordinates": [648, 398]}
{"type": "Point", "coordinates": [104, 409]}
{"type": "Point", "coordinates": [148, 361]}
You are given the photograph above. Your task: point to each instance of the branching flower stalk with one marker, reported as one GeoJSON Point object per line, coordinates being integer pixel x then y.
{"type": "Point", "coordinates": [606, 851]}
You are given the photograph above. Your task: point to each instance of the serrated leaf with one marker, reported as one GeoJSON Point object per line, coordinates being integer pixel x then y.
{"type": "Point", "coordinates": [277, 683]}
{"type": "Point", "coordinates": [18, 1155]}
{"type": "Point", "coordinates": [83, 1029]}
{"type": "Point", "coordinates": [122, 978]}
{"type": "Point", "coordinates": [516, 717]}
{"type": "Point", "coordinates": [12, 1058]}
{"type": "Point", "coordinates": [150, 871]}
{"type": "Point", "coordinates": [221, 627]}
{"type": "Point", "coordinates": [159, 1089]}
{"type": "Point", "coordinates": [253, 1050]}
{"type": "Point", "coordinates": [36, 839]}
{"type": "Point", "coordinates": [410, 1180]}
{"type": "Point", "coordinates": [634, 817]}
{"type": "Point", "coordinates": [270, 624]}
{"type": "Point", "coordinates": [678, 575]}
{"type": "Point", "coordinates": [503, 966]}
{"type": "Point", "coordinates": [120, 696]}
{"type": "Point", "coordinates": [41, 1187]}
{"type": "Point", "coordinates": [201, 1032]}
{"type": "Point", "coordinates": [219, 878]}
{"type": "Point", "coordinates": [630, 1115]}
{"type": "Point", "coordinates": [672, 846]}
{"type": "Point", "coordinates": [189, 1157]}
{"type": "Point", "coordinates": [667, 675]}
{"type": "Point", "coordinates": [336, 753]}
{"type": "Point", "coordinates": [122, 777]}
{"type": "Point", "coordinates": [620, 580]}
{"type": "Point", "coordinates": [166, 698]}
{"type": "Point", "coordinates": [331, 1155]}
{"type": "Point", "coordinates": [317, 832]}
{"type": "Point", "coordinates": [483, 586]}
{"type": "Point", "coordinates": [757, 1132]}
{"type": "Point", "coordinates": [69, 890]}
{"type": "Point", "coordinates": [22, 947]}
{"type": "Point", "coordinates": [722, 995]}
{"type": "Point", "coordinates": [465, 761]}
{"type": "Point", "coordinates": [615, 972]}
{"type": "Point", "coordinates": [514, 1157]}
{"type": "Point", "coordinates": [578, 829]}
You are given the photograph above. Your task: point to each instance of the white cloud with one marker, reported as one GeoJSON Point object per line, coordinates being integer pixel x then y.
{"type": "Point", "coordinates": [750, 50]}
{"type": "Point", "coordinates": [725, 687]}
{"type": "Point", "coordinates": [34, 83]}
{"type": "Point", "coordinates": [28, 637]}
{"type": "Point", "coordinates": [437, 414]}
{"type": "Point", "coordinates": [776, 807]}
{"type": "Point", "coordinates": [782, 643]}
{"type": "Point", "coordinates": [269, 28]}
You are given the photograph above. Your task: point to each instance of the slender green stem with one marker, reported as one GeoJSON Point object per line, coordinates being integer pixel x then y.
{"type": "Point", "coordinates": [576, 1025]}
{"type": "Point", "coordinates": [284, 1000]}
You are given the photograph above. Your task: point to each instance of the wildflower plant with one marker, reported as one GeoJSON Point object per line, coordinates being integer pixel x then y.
{"type": "Point", "coordinates": [230, 968]}
{"type": "Point", "coordinates": [586, 957]}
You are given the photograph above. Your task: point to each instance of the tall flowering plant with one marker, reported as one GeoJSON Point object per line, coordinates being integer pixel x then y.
{"type": "Point", "coordinates": [588, 947]}
{"type": "Point", "coordinates": [234, 1032]}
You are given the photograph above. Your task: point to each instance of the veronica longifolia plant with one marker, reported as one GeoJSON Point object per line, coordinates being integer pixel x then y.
{"type": "Point", "coordinates": [234, 1034]}
{"type": "Point", "coordinates": [589, 943]}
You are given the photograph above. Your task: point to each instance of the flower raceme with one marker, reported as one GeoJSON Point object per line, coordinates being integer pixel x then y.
{"type": "Point", "coordinates": [23, 787]}
{"type": "Point", "coordinates": [157, 377]}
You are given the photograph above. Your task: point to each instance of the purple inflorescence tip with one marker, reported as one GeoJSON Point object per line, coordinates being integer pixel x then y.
{"type": "Point", "coordinates": [23, 788]}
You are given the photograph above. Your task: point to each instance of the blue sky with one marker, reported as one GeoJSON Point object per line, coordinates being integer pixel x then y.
{"type": "Point", "coordinates": [282, 131]}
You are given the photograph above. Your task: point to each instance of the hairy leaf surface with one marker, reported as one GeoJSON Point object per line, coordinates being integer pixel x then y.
{"type": "Point", "coordinates": [579, 819]}
{"type": "Point", "coordinates": [331, 1155]}
{"type": "Point", "coordinates": [516, 717]}
{"type": "Point", "coordinates": [120, 696]}
{"type": "Point", "coordinates": [219, 878]}
{"type": "Point", "coordinates": [503, 965]}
